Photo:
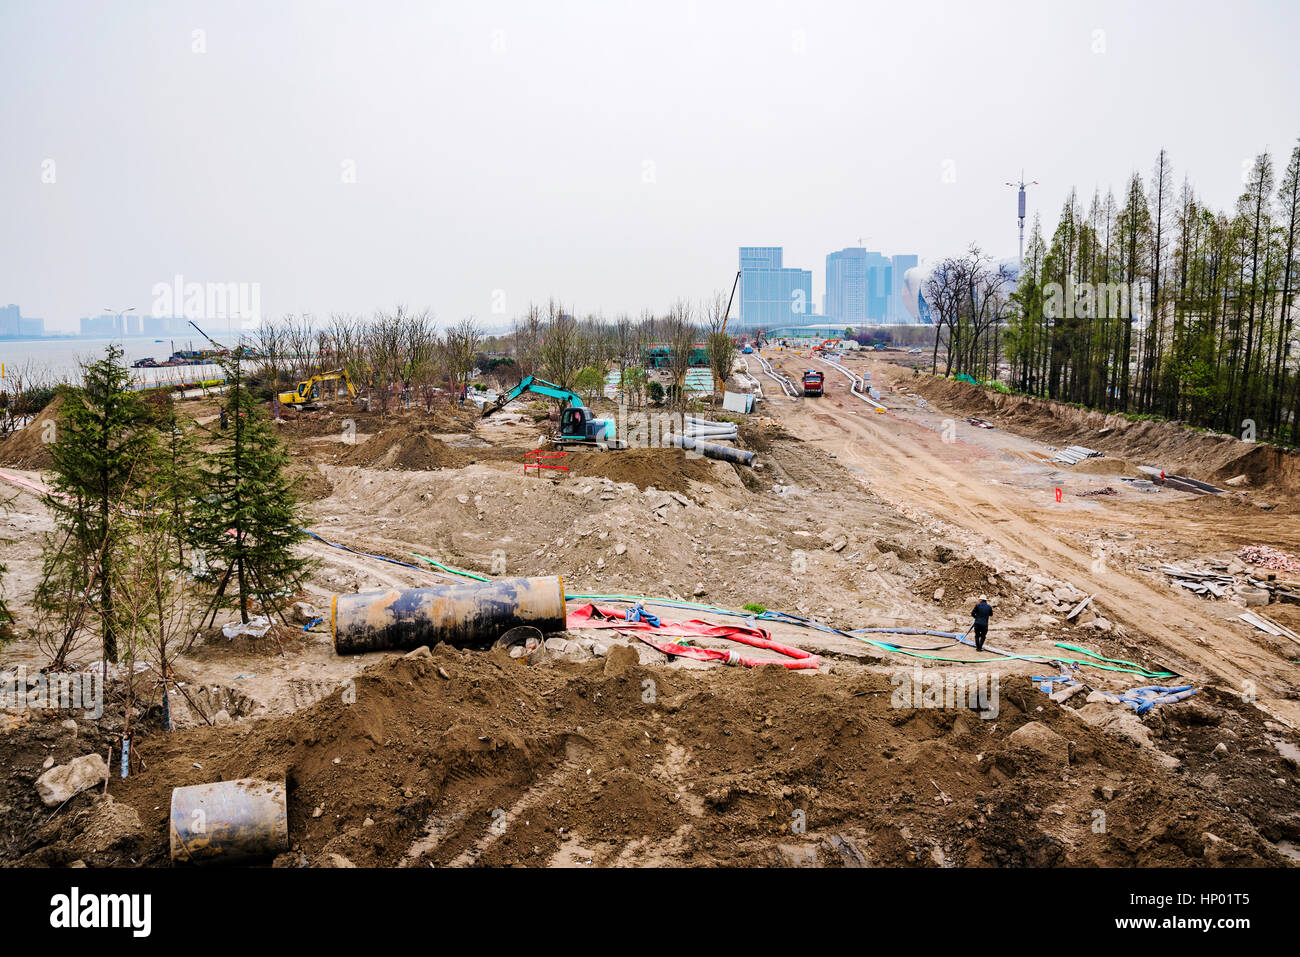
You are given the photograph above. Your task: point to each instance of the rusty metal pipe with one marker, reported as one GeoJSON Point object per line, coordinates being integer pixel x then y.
{"type": "Point", "coordinates": [229, 821]}
{"type": "Point", "coordinates": [470, 615]}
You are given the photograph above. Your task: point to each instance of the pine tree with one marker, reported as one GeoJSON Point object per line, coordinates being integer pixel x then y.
{"type": "Point", "coordinates": [104, 452]}
{"type": "Point", "coordinates": [248, 518]}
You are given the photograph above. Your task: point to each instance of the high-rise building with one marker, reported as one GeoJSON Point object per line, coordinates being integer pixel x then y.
{"type": "Point", "coordinates": [858, 286]}
{"type": "Point", "coordinates": [771, 293]}
{"type": "Point", "coordinates": [13, 323]}
{"type": "Point", "coordinates": [879, 283]}
{"type": "Point", "coordinates": [846, 286]}
{"type": "Point", "coordinates": [101, 327]}
{"type": "Point", "coordinates": [10, 317]}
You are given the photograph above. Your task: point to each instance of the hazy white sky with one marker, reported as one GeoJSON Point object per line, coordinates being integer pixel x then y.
{"type": "Point", "coordinates": [612, 154]}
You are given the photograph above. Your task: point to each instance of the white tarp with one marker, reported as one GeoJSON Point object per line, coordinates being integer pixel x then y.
{"type": "Point", "coordinates": [737, 402]}
{"type": "Point", "coordinates": [257, 626]}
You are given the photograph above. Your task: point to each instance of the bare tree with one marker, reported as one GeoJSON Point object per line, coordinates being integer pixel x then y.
{"type": "Point", "coordinates": [680, 337]}
{"type": "Point", "coordinates": [563, 350]}
{"type": "Point", "coordinates": [271, 339]}
{"type": "Point", "coordinates": [528, 341]}
{"type": "Point", "coordinates": [385, 349]}
{"type": "Point", "coordinates": [721, 347]}
{"type": "Point", "coordinates": [460, 346]}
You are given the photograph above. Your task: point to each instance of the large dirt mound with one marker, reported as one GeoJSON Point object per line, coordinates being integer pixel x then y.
{"type": "Point", "coordinates": [467, 758]}
{"type": "Point", "coordinates": [1103, 465]}
{"type": "Point", "coordinates": [757, 434]}
{"type": "Point", "coordinates": [670, 470]}
{"type": "Point", "coordinates": [1210, 457]}
{"type": "Point", "coordinates": [406, 446]}
{"type": "Point", "coordinates": [27, 448]}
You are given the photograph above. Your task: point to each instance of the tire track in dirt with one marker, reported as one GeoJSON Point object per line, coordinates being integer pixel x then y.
{"type": "Point", "coordinates": [903, 470]}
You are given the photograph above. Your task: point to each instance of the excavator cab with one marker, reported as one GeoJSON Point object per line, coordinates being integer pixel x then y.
{"type": "Point", "coordinates": [579, 423]}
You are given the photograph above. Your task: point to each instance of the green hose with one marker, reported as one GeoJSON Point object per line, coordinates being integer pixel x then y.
{"type": "Point", "coordinates": [1114, 664]}
{"type": "Point", "coordinates": [454, 571]}
{"type": "Point", "coordinates": [885, 646]}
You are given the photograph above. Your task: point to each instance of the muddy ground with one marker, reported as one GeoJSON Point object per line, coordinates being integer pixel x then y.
{"type": "Point", "coordinates": [609, 753]}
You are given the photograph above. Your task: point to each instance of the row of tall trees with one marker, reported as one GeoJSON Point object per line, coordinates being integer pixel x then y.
{"type": "Point", "coordinates": [1153, 303]}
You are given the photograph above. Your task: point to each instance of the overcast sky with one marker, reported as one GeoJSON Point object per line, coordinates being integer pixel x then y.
{"type": "Point", "coordinates": [611, 154]}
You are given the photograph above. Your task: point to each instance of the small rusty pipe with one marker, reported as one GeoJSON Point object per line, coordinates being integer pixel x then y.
{"type": "Point", "coordinates": [470, 615]}
{"type": "Point", "coordinates": [229, 821]}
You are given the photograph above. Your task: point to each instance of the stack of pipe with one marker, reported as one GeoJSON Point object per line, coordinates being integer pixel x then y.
{"type": "Point", "coordinates": [710, 431]}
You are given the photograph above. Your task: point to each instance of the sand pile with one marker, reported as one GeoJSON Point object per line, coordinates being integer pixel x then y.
{"type": "Point", "coordinates": [1103, 465]}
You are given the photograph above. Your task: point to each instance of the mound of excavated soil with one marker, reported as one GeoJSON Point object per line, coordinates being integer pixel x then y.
{"type": "Point", "coordinates": [407, 447]}
{"type": "Point", "coordinates": [467, 758]}
{"type": "Point", "coordinates": [26, 448]}
{"type": "Point", "coordinates": [757, 434]}
{"type": "Point", "coordinates": [1206, 456]}
{"type": "Point", "coordinates": [1104, 465]}
{"type": "Point", "coordinates": [667, 469]}
{"type": "Point", "coordinates": [960, 581]}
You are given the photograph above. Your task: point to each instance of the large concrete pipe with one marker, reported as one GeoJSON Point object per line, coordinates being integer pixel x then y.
{"type": "Point", "coordinates": [712, 451]}
{"type": "Point", "coordinates": [229, 821]}
{"type": "Point", "coordinates": [472, 615]}
{"type": "Point", "coordinates": [710, 435]}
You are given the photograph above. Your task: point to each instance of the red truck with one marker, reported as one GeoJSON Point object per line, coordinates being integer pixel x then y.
{"type": "Point", "coordinates": [812, 383]}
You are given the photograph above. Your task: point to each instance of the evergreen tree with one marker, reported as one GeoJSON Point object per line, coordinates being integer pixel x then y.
{"type": "Point", "coordinates": [104, 453]}
{"type": "Point", "coordinates": [248, 517]}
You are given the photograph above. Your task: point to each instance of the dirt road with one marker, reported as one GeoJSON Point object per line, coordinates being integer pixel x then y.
{"type": "Point", "coordinates": [991, 485]}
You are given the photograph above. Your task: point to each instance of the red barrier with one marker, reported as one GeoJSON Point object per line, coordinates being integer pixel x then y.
{"type": "Point", "coordinates": [537, 455]}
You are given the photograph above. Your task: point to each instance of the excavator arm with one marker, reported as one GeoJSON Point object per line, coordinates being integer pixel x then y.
{"type": "Point", "coordinates": [538, 387]}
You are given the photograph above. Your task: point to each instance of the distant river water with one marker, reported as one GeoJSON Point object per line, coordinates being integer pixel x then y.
{"type": "Point", "coordinates": [60, 359]}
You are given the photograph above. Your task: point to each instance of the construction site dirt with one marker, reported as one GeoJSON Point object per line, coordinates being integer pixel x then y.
{"type": "Point", "coordinates": [603, 750]}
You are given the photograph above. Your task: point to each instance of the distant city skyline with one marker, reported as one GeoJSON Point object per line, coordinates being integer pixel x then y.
{"type": "Point", "coordinates": [13, 323]}
{"type": "Point", "coordinates": [472, 158]}
{"type": "Point", "coordinates": [862, 287]}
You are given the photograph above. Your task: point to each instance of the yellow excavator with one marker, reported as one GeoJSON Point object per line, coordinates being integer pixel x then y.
{"type": "Point", "coordinates": [308, 393]}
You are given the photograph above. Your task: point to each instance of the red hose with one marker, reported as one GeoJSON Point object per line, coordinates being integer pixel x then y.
{"type": "Point", "coordinates": [589, 616]}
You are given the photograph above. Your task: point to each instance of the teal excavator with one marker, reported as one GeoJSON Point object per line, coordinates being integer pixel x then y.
{"type": "Point", "coordinates": [578, 424]}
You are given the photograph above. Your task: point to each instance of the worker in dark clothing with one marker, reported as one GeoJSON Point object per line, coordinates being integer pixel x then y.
{"type": "Point", "coordinates": [982, 612]}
